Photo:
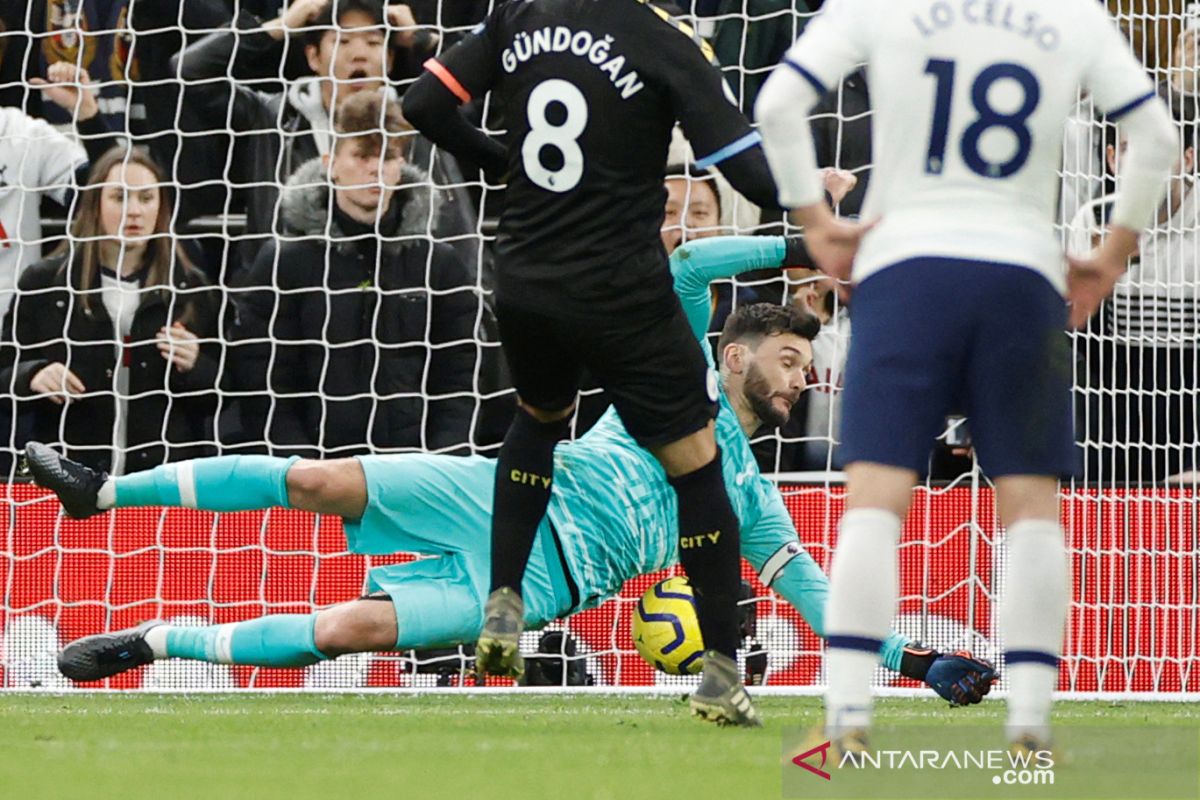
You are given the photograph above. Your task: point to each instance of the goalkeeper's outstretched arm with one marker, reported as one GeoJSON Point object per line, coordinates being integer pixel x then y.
{"type": "Point", "coordinates": [694, 266]}
{"type": "Point", "coordinates": [784, 565]}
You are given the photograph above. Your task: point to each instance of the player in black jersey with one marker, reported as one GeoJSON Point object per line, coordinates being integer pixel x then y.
{"type": "Point", "coordinates": [592, 90]}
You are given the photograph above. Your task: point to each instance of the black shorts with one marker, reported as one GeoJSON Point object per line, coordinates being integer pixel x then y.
{"type": "Point", "coordinates": [649, 363]}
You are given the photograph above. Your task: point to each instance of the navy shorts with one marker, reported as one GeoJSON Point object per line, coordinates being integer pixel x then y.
{"type": "Point", "coordinates": [935, 336]}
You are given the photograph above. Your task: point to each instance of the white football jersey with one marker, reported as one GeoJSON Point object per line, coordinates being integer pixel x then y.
{"type": "Point", "coordinates": [34, 158]}
{"type": "Point", "coordinates": [970, 99]}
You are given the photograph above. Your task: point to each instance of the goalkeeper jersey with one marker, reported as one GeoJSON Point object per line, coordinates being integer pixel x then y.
{"type": "Point", "coordinates": [612, 507]}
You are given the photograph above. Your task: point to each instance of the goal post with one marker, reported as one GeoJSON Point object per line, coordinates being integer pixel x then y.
{"type": "Point", "coordinates": [1134, 548]}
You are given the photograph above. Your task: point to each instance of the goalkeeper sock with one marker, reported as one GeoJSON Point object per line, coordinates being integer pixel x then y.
{"type": "Point", "coordinates": [1033, 612]}
{"type": "Point", "coordinates": [524, 475]}
{"type": "Point", "coordinates": [863, 590]}
{"type": "Point", "coordinates": [277, 640]}
{"type": "Point", "coordinates": [710, 552]}
{"type": "Point", "coordinates": [225, 483]}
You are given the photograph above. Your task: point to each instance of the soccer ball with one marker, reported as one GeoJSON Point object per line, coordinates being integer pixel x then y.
{"type": "Point", "coordinates": [666, 630]}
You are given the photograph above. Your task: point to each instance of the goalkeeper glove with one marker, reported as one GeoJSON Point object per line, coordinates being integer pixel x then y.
{"type": "Point", "coordinates": [958, 677]}
{"type": "Point", "coordinates": [796, 254]}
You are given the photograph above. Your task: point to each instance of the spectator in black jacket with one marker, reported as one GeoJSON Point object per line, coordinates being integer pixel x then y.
{"type": "Point", "coordinates": [110, 344]}
{"type": "Point", "coordinates": [348, 50]}
{"type": "Point", "coordinates": [367, 338]}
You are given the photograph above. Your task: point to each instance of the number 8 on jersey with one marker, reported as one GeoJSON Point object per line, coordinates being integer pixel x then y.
{"type": "Point", "coordinates": [562, 137]}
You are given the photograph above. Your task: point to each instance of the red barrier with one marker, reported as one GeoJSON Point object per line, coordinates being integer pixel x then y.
{"type": "Point", "coordinates": [1133, 623]}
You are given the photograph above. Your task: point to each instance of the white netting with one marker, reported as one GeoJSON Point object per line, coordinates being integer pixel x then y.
{"type": "Point", "coordinates": [359, 353]}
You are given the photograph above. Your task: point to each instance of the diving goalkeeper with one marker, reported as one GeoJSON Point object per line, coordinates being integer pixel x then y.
{"type": "Point", "coordinates": [611, 516]}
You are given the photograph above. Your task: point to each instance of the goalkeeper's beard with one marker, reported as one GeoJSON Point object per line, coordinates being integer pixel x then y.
{"type": "Point", "coordinates": [760, 397]}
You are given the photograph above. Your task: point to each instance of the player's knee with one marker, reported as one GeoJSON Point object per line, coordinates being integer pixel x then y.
{"type": "Point", "coordinates": [693, 452]}
{"type": "Point", "coordinates": [327, 487]}
{"type": "Point", "coordinates": [357, 627]}
{"type": "Point", "coordinates": [547, 417]}
{"type": "Point", "coordinates": [1020, 498]}
{"type": "Point", "coordinates": [331, 634]}
{"type": "Point", "coordinates": [308, 484]}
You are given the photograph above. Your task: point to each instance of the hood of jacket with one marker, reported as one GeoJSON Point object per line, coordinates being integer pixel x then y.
{"type": "Point", "coordinates": [305, 96]}
{"type": "Point", "coordinates": [306, 205]}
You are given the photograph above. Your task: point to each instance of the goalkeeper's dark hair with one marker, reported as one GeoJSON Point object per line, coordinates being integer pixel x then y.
{"type": "Point", "coordinates": [691, 173]}
{"type": "Point", "coordinates": [325, 19]}
{"type": "Point", "coordinates": [752, 323]}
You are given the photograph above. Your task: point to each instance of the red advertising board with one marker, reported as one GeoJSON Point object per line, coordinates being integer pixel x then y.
{"type": "Point", "coordinates": [1133, 622]}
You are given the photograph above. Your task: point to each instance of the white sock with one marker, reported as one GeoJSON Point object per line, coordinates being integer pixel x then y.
{"type": "Point", "coordinates": [1033, 612]}
{"type": "Point", "coordinates": [156, 637]}
{"type": "Point", "coordinates": [107, 496]}
{"type": "Point", "coordinates": [863, 590]}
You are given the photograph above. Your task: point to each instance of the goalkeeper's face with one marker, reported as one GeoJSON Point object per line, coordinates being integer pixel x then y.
{"type": "Point", "coordinates": [773, 376]}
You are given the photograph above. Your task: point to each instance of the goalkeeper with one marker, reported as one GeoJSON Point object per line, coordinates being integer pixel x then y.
{"type": "Point", "coordinates": [611, 516]}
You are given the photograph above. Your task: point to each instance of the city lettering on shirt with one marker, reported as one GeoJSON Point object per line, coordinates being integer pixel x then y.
{"type": "Point", "coordinates": [999, 14]}
{"type": "Point", "coordinates": [699, 540]}
{"type": "Point", "coordinates": [529, 478]}
{"type": "Point", "coordinates": [584, 44]}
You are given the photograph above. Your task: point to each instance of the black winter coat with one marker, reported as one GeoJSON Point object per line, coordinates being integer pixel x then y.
{"type": "Point", "coordinates": [365, 343]}
{"type": "Point", "coordinates": [169, 415]}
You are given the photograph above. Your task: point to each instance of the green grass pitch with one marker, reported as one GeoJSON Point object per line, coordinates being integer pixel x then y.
{"type": "Point", "coordinates": [404, 747]}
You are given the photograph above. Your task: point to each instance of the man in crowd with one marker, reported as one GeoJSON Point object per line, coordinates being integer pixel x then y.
{"type": "Point", "coordinates": [365, 337]}
{"type": "Point", "coordinates": [1138, 399]}
{"type": "Point", "coordinates": [349, 50]}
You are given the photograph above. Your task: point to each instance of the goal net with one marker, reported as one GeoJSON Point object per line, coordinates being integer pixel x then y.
{"type": "Point", "coordinates": [327, 333]}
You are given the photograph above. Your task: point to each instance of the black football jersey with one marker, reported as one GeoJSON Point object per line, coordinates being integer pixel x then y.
{"type": "Point", "coordinates": [591, 91]}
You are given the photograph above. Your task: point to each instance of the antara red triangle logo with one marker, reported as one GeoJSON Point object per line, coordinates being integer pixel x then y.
{"type": "Point", "coordinates": [823, 749]}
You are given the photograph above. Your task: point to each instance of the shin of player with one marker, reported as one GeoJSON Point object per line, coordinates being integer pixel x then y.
{"type": "Point", "coordinates": [709, 543]}
{"type": "Point", "coordinates": [524, 476]}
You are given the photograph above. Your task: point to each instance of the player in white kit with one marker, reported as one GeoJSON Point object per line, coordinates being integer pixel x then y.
{"type": "Point", "coordinates": [958, 297]}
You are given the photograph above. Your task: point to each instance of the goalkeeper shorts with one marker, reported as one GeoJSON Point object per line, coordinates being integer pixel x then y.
{"type": "Point", "coordinates": [936, 336]}
{"type": "Point", "coordinates": [441, 506]}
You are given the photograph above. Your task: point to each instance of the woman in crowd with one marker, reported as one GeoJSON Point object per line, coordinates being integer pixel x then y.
{"type": "Point", "coordinates": [110, 347]}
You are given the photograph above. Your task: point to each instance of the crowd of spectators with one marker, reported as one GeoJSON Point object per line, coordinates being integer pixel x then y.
{"type": "Point", "coordinates": [261, 255]}
{"type": "Point", "coordinates": [339, 307]}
